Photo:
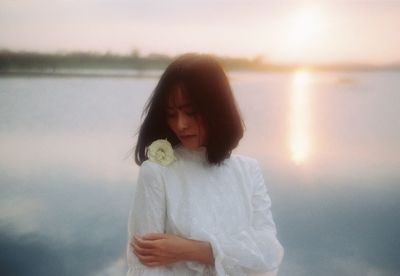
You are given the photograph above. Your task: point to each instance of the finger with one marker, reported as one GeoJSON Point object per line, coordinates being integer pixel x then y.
{"type": "Point", "coordinates": [144, 243]}
{"type": "Point", "coordinates": [146, 259]}
{"type": "Point", "coordinates": [133, 244]}
{"type": "Point", "coordinates": [152, 260]}
{"type": "Point", "coordinates": [153, 236]}
{"type": "Point", "coordinates": [143, 251]}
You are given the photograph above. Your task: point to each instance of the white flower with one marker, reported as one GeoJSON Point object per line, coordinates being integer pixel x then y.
{"type": "Point", "coordinates": [160, 151]}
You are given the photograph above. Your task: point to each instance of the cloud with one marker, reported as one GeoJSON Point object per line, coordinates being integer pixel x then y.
{"type": "Point", "coordinates": [116, 268]}
{"type": "Point", "coordinates": [334, 266]}
{"type": "Point", "coordinates": [339, 228]}
{"type": "Point", "coordinates": [353, 266]}
{"type": "Point", "coordinates": [22, 213]}
{"type": "Point", "coordinates": [34, 254]}
{"type": "Point", "coordinates": [57, 225]}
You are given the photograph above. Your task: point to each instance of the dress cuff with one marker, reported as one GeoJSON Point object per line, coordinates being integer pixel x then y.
{"type": "Point", "coordinates": [218, 255]}
{"type": "Point", "coordinates": [200, 269]}
{"type": "Point", "coordinates": [216, 250]}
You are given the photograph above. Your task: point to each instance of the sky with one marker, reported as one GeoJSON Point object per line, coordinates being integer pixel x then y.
{"type": "Point", "coordinates": [324, 31]}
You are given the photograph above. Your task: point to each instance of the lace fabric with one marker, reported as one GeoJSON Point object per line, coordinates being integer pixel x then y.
{"type": "Point", "coordinates": [226, 205]}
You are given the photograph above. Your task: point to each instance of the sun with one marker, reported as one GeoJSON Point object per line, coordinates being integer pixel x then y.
{"type": "Point", "coordinates": [305, 25]}
{"type": "Point", "coordinates": [303, 31]}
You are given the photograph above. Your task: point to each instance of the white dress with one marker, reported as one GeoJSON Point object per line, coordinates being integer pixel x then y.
{"type": "Point", "coordinates": [226, 205]}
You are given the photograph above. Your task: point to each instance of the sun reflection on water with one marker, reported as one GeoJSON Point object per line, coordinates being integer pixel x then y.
{"type": "Point", "coordinates": [299, 118]}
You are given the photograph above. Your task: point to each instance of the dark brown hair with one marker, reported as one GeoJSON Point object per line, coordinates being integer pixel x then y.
{"type": "Point", "coordinates": [206, 85]}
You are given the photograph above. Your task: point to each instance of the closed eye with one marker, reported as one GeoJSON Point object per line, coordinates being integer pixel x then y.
{"type": "Point", "coordinates": [191, 113]}
{"type": "Point", "coordinates": [171, 114]}
{"type": "Point", "coordinates": [188, 110]}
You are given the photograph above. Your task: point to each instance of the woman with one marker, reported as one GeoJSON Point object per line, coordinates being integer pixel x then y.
{"type": "Point", "coordinates": [198, 209]}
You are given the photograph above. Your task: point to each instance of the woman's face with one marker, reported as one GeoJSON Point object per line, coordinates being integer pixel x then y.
{"type": "Point", "coordinates": [184, 121]}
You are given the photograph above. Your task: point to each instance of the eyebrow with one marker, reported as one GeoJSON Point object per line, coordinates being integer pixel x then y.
{"type": "Point", "coordinates": [181, 106]}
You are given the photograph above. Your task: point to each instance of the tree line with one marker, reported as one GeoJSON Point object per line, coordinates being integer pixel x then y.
{"type": "Point", "coordinates": [49, 62]}
{"type": "Point", "coordinates": [11, 60]}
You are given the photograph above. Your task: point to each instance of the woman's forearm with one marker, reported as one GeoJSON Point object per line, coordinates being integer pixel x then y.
{"type": "Point", "coordinates": [169, 248]}
{"type": "Point", "coordinates": [199, 251]}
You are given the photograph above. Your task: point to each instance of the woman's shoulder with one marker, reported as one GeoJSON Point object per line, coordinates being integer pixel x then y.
{"type": "Point", "coordinates": [243, 160]}
{"type": "Point", "coordinates": [150, 165]}
{"type": "Point", "coordinates": [250, 167]}
{"type": "Point", "coordinates": [151, 168]}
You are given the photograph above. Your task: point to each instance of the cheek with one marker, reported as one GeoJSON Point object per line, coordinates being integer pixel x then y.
{"type": "Point", "coordinates": [172, 125]}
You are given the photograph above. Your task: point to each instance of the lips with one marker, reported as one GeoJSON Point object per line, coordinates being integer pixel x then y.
{"type": "Point", "coordinates": [187, 136]}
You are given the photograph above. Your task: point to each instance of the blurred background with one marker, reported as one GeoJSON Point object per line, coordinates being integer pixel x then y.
{"type": "Point", "coordinates": [317, 83]}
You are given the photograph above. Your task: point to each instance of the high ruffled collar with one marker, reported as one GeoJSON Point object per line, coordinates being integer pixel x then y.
{"type": "Point", "coordinates": [195, 154]}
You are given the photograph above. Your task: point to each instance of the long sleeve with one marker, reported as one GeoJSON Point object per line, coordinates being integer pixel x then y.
{"type": "Point", "coordinates": [147, 215]}
{"type": "Point", "coordinates": [254, 249]}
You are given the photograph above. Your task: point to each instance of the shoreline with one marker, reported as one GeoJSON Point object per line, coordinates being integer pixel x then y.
{"type": "Point", "coordinates": [80, 73]}
{"type": "Point", "coordinates": [151, 74]}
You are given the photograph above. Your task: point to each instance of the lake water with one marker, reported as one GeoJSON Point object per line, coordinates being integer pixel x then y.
{"type": "Point", "coordinates": [328, 144]}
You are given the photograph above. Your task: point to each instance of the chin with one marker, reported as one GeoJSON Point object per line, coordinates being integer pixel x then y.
{"type": "Point", "coordinates": [190, 145]}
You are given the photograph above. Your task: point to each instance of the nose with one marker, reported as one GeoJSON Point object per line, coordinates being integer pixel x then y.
{"type": "Point", "coordinates": [182, 122]}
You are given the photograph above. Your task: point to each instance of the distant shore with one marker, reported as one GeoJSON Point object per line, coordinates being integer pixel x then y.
{"type": "Point", "coordinates": [84, 64]}
{"type": "Point", "coordinates": [140, 74]}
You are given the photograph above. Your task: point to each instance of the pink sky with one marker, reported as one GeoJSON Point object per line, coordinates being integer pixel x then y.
{"type": "Point", "coordinates": [281, 31]}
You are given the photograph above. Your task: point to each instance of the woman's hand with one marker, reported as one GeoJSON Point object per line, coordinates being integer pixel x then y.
{"type": "Point", "coordinates": [156, 249]}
